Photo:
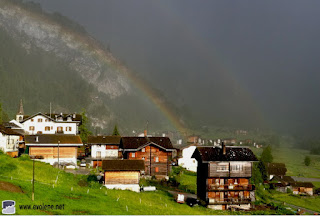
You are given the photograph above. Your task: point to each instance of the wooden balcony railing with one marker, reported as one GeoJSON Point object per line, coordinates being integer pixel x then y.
{"type": "Point", "coordinates": [229, 200]}
{"type": "Point", "coordinates": [214, 187]}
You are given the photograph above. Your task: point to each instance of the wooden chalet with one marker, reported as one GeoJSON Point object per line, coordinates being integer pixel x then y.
{"type": "Point", "coordinates": [103, 147]}
{"type": "Point", "coordinates": [276, 169]}
{"type": "Point", "coordinates": [54, 146]}
{"type": "Point", "coordinates": [223, 176]}
{"type": "Point", "coordinates": [155, 151]}
{"type": "Point", "coordinates": [122, 174]}
{"type": "Point", "coordinates": [302, 188]}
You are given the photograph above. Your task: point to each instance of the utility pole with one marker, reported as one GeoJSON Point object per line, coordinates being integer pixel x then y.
{"type": "Point", "coordinates": [58, 154]}
{"type": "Point", "coordinates": [33, 182]}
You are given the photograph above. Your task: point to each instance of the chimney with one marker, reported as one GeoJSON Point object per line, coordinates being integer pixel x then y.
{"type": "Point", "coordinates": [74, 115]}
{"type": "Point", "coordinates": [145, 133]}
{"type": "Point", "coordinates": [224, 151]}
{"type": "Point", "coordinates": [37, 139]}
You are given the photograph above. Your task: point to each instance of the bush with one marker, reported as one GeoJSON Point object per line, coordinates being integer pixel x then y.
{"type": "Point", "coordinates": [307, 161]}
{"type": "Point", "coordinates": [24, 157]}
{"type": "Point", "coordinates": [289, 191]}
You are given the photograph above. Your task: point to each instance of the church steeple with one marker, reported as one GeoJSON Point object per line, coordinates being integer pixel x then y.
{"type": "Point", "coordinates": [20, 114]}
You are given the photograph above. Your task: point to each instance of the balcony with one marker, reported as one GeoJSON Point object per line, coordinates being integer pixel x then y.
{"type": "Point", "coordinates": [229, 201]}
{"type": "Point", "coordinates": [236, 187]}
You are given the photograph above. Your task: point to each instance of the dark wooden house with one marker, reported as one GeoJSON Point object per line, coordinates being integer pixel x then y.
{"type": "Point", "coordinates": [122, 174]}
{"type": "Point", "coordinates": [155, 151]}
{"type": "Point", "coordinates": [223, 176]}
{"type": "Point", "coordinates": [276, 169]}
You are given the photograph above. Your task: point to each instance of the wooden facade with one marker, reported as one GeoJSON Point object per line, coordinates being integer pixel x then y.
{"type": "Point", "coordinates": [122, 177]}
{"type": "Point", "coordinates": [157, 161]}
{"type": "Point", "coordinates": [222, 181]}
{"type": "Point", "coordinates": [52, 152]}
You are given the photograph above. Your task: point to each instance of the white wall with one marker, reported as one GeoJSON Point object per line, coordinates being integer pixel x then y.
{"type": "Point", "coordinates": [12, 145]}
{"type": "Point", "coordinates": [40, 126]}
{"type": "Point", "coordinates": [186, 161]}
{"type": "Point", "coordinates": [104, 152]}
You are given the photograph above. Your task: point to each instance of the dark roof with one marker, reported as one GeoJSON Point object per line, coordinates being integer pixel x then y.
{"type": "Point", "coordinates": [8, 131]}
{"type": "Point", "coordinates": [302, 184]}
{"type": "Point", "coordinates": [104, 140]}
{"type": "Point", "coordinates": [232, 154]}
{"type": "Point", "coordinates": [287, 179]}
{"type": "Point", "coordinates": [140, 142]}
{"type": "Point", "coordinates": [54, 117]}
{"type": "Point", "coordinates": [53, 139]}
{"type": "Point", "coordinates": [276, 169]}
{"type": "Point", "coordinates": [10, 125]}
{"type": "Point", "coordinates": [123, 165]}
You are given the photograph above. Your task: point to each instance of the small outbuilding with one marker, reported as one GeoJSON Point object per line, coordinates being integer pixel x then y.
{"type": "Point", "coordinates": [302, 188]}
{"type": "Point", "coordinates": [122, 174]}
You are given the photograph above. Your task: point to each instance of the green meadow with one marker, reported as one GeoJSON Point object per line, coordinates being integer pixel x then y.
{"type": "Point", "coordinates": [78, 196]}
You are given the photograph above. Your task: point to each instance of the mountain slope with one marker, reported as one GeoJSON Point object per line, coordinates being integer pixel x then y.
{"type": "Point", "coordinates": [47, 58]}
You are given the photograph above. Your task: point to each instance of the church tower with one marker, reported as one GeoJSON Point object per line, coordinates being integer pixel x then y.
{"type": "Point", "coordinates": [20, 114]}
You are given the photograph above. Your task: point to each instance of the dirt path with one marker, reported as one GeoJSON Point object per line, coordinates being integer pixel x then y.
{"type": "Point", "coordinates": [6, 186]}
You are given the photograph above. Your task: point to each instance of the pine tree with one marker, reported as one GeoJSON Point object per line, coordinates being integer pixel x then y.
{"type": "Point", "coordinates": [307, 161]}
{"type": "Point", "coordinates": [83, 128]}
{"type": "Point", "coordinates": [115, 131]}
{"type": "Point", "coordinates": [266, 156]}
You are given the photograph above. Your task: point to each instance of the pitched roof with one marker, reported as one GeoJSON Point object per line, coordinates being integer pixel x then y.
{"type": "Point", "coordinates": [53, 139]}
{"type": "Point", "coordinates": [104, 140]}
{"type": "Point", "coordinates": [123, 165]}
{"type": "Point", "coordinates": [74, 117]}
{"type": "Point", "coordinates": [287, 179]}
{"type": "Point", "coordinates": [140, 142]}
{"type": "Point", "coordinates": [8, 131]}
{"type": "Point", "coordinates": [302, 184]}
{"type": "Point", "coordinates": [276, 169]}
{"type": "Point", "coordinates": [232, 154]}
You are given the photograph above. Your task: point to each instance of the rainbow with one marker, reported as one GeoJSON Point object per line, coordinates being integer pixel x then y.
{"type": "Point", "coordinates": [104, 56]}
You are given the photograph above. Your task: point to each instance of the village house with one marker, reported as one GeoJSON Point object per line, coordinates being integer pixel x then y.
{"type": "Point", "coordinates": [9, 141]}
{"type": "Point", "coordinates": [276, 169]}
{"type": "Point", "coordinates": [302, 188]}
{"type": "Point", "coordinates": [155, 151]}
{"type": "Point", "coordinates": [186, 161]}
{"type": "Point", "coordinates": [194, 139]}
{"type": "Point", "coordinates": [223, 176]}
{"type": "Point", "coordinates": [281, 183]}
{"type": "Point", "coordinates": [103, 147]}
{"type": "Point", "coordinates": [122, 174]}
{"type": "Point", "coordinates": [54, 147]}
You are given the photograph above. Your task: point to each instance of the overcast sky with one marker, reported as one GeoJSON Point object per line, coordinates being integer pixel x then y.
{"type": "Point", "coordinates": [265, 50]}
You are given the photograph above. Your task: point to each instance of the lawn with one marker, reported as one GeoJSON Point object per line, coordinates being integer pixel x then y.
{"type": "Point", "coordinates": [56, 187]}
{"type": "Point", "coordinates": [294, 160]}
{"type": "Point", "coordinates": [312, 203]}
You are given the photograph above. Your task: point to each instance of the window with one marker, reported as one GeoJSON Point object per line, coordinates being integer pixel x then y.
{"type": "Point", "coordinates": [47, 128]}
{"type": "Point", "coordinates": [31, 128]}
{"type": "Point", "coordinates": [46, 120]}
{"type": "Point", "coordinates": [143, 158]}
{"type": "Point", "coordinates": [236, 167]}
{"type": "Point", "coordinates": [31, 120]}
{"type": "Point", "coordinates": [157, 169]}
{"type": "Point", "coordinates": [69, 128]}
{"type": "Point", "coordinates": [156, 159]}
{"type": "Point", "coordinates": [222, 167]}
{"type": "Point", "coordinates": [39, 120]}
{"type": "Point", "coordinates": [133, 155]}
{"type": "Point", "coordinates": [98, 154]}
{"type": "Point", "coordinates": [59, 129]}
{"type": "Point", "coordinates": [143, 149]}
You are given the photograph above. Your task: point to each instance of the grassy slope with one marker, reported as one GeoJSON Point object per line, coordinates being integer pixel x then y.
{"type": "Point", "coordinates": [312, 203]}
{"type": "Point", "coordinates": [97, 201]}
{"type": "Point", "coordinates": [294, 160]}
{"type": "Point", "coordinates": [78, 201]}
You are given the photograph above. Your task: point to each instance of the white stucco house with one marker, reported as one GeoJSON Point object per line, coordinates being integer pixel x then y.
{"type": "Point", "coordinates": [50, 123]}
{"type": "Point", "coordinates": [103, 147]}
{"type": "Point", "coordinates": [9, 141]}
{"type": "Point", "coordinates": [186, 161]}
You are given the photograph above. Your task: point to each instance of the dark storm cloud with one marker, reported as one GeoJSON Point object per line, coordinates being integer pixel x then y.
{"type": "Point", "coordinates": [265, 53]}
